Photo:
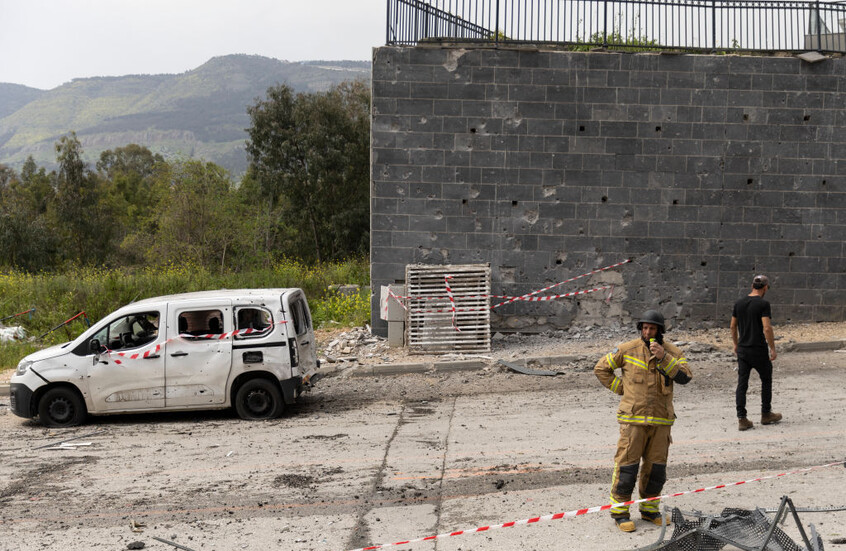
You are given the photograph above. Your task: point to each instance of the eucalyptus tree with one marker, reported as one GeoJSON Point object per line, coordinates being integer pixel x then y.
{"type": "Point", "coordinates": [80, 219]}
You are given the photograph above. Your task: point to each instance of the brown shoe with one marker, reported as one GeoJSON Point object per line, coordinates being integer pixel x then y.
{"type": "Point", "coordinates": [770, 417]}
{"type": "Point", "coordinates": [745, 424]}
{"type": "Point", "coordinates": [625, 524]}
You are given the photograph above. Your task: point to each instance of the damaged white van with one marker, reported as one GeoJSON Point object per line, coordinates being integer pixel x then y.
{"type": "Point", "coordinates": [251, 349]}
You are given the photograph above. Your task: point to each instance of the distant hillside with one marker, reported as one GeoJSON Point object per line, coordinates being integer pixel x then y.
{"type": "Point", "coordinates": [15, 96]}
{"type": "Point", "coordinates": [198, 114]}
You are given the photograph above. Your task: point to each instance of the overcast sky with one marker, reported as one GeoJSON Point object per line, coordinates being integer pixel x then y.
{"type": "Point", "coordinates": [45, 43]}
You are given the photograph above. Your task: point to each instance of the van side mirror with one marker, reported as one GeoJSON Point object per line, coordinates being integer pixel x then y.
{"type": "Point", "coordinates": [94, 346]}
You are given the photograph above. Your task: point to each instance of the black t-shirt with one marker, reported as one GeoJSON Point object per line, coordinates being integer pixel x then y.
{"type": "Point", "coordinates": [749, 311]}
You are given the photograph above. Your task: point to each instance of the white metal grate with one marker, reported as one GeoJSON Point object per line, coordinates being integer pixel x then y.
{"type": "Point", "coordinates": [433, 325]}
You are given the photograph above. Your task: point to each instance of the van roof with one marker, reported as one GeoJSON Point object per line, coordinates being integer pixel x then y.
{"type": "Point", "coordinates": [217, 294]}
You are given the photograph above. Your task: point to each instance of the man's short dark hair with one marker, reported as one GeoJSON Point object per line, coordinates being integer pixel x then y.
{"type": "Point", "coordinates": [760, 281]}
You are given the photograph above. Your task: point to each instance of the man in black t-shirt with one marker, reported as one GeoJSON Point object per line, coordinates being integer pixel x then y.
{"type": "Point", "coordinates": [755, 349]}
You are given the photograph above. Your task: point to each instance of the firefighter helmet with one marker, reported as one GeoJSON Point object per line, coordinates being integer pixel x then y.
{"type": "Point", "coordinates": [651, 316]}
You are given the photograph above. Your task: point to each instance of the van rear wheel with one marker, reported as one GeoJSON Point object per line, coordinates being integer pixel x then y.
{"type": "Point", "coordinates": [258, 399]}
{"type": "Point", "coordinates": [61, 407]}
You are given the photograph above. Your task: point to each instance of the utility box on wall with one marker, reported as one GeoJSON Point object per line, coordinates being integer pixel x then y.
{"type": "Point", "coordinates": [393, 311]}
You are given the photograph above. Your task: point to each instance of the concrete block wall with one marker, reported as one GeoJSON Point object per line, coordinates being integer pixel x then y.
{"type": "Point", "coordinates": [703, 170]}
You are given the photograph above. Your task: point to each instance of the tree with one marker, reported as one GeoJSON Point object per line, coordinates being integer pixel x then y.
{"type": "Point", "coordinates": [199, 218]}
{"type": "Point", "coordinates": [26, 241]}
{"type": "Point", "coordinates": [310, 156]}
{"type": "Point", "coordinates": [6, 177]}
{"type": "Point", "coordinates": [129, 175]}
{"type": "Point", "coordinates": [83, 223]}
{"type": "Point", "coordinates": [35, 188]}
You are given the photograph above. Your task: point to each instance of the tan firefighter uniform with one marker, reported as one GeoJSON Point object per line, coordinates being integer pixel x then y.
{"type": "Point", "coordinates": [645, 415]}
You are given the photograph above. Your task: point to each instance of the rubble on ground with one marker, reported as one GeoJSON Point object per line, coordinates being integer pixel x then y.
{"type": "Point", "coordinates": [12, 333]}
{"type": "Point", "coordinates": [583, 344]}
{"type": "Point", "coordinates": [353, 345]}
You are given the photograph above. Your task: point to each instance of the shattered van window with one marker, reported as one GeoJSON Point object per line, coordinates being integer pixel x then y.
{"type": "Point", "coordinates": [258, 319]}
{"type": "Point", "coordinates": [129, 331]}
{"type": "Point", "coordinates": [302, 322]}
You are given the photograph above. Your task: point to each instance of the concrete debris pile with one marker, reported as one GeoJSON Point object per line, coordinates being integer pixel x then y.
{"type": "Point", "coordinates": [355, 345]}
{"type": "Point", "coordinates": [591, 333]}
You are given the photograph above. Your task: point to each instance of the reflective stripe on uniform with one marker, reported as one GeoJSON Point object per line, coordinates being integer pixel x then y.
{"type": "Point", "coordinates": [636, 361]}
{"type": "Point", "coordinates": [669, 367]}
{"type": "Point", "coordinates": [643, 419]}
{"type": "Point", "coordinates": [616, 383]}
{"type": "Point", "coordinates": [618, 509]}
{"type": "Point", "coordinates": [650, 506]}
{"type": "Point", "coordinates": [610, 358]}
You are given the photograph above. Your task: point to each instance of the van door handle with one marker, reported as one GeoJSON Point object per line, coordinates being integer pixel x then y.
{"type": "Point", "coordinates": [175, 354]}
{"type": "Point", "coordinates": [151, 356]}
{"type": "Point", "coordinates": [305, 343]}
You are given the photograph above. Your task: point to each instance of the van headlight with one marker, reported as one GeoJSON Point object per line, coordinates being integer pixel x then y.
{"type": "Point", "coordinates": [23, 366]}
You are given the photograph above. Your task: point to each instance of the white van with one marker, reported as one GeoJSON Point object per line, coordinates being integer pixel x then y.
{"type": "Point", "coordinates": [251, 349]}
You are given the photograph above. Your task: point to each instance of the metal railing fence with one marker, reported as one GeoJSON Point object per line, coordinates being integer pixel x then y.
{"type": "Point", "coordinates": [686, 25]}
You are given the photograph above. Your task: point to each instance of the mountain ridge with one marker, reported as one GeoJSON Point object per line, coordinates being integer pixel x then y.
{"type": "Point", "coordinates": [201, 113]}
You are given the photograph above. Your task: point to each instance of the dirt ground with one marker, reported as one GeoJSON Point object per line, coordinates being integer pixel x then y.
{"type": "Point", "coordinates": [350, 348]}
{"type": "Point", "coordinates": [363, 460]}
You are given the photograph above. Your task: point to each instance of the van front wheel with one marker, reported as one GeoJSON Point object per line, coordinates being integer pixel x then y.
{"type": "Point", "coordinates": [61, 407]}
{"type": "Point", "coordinates": [258, 399]}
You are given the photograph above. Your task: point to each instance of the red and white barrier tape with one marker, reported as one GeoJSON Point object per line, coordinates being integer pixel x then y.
{"type": "Point", "coordinates": [553, 297]}
{"type": "Point", "coordinates": [188, 338]}
{"type": "Point", "coordinates": [451, 300]}
{"type": "Point", "coordinates": [580, 512]}
{"type": "Point", "coordinates": [561, 283]}
{"type": "Point", "coordinates": [530, 299]}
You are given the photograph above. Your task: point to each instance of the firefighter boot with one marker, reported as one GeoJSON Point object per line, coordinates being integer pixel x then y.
{"type": "Point", "coordinates": [744, 424]}
{"type": "Point", "coordinates": [770, 417]}
{"type": "Point", "coordinates": [625, 524]}
{"type": "Point", "coordinates": [655, 518]}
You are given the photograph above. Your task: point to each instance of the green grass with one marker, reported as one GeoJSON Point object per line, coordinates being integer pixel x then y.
{"type": "Point", "coordinates": [342, 310]}
{"type": "Point", "coordinates": [57, 297]}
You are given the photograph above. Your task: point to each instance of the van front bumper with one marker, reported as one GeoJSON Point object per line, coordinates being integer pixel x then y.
{"type": "Point", "coordinates": [20, 397]}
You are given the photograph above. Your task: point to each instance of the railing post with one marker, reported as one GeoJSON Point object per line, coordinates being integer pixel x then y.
{"type": "Point", "coordinates": [425, 29]}
{"type": "Point", "coordinates": [388, 22]}
{"type": "Point", "coordinates": [713, 25]}
{"type": "Point", "coordinates": [605, 24]}
{"type": "Point", "coordinates": [819, 26]}
{"type": "Point", "coordinates": [496, 25]}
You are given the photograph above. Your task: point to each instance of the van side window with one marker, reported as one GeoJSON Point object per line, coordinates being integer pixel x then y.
{"type": "Point", "coordinates": [302, 322]}
{"type": "Point", "coordinates": [194, 324]}
{"type": "Point", "coordinates": [252, 322]}
{"type": "Point", "coordinates": [130, 331]}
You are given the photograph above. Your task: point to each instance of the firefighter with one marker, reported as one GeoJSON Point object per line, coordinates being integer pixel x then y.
{"type": "Point", "coordinates": [649, 367]}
